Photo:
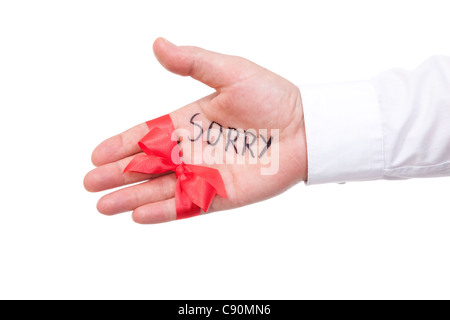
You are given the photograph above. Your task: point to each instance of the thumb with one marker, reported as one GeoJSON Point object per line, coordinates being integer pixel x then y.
{"type": "Point", "coordinates": [213, 69]}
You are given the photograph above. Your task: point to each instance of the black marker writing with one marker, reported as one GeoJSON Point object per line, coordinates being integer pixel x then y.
{"type": "Point", "coordinates": [197, 125]}
{"type": "Point", "coordinates": [232, 141]}
{"type": "Point", "coordinates": [248, 145]}
{"type": "Point", "coordinates": [208, 138]}
{"type": "Point", "coordinates": [215, 131]}
{"type": "Point", "coordinates": [267, 145]}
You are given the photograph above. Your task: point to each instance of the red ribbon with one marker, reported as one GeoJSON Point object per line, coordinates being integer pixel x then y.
{"type": "Point", "coordinates": [196, 185]}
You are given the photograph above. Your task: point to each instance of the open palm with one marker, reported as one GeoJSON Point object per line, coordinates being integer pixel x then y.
{"type": "Point", "coordinates": [247, 98]}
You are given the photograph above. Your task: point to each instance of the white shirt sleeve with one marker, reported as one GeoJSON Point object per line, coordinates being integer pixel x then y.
{"type": "Point", "coordinates": [394, 126]}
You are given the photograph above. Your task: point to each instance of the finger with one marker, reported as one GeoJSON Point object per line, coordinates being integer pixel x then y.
{"type": "Point", "coordinates": [213, 69]}
{"type": "Point", "coordinates": [130, 198]}
{"type": "Point", "coordinates": [111, 175]}
{"type": "Point", "coordinates": [120, 146]}
{"type": "Point", "coordinates": [157, 212]}
{"type": "Point", "coordinates": [125, 144]}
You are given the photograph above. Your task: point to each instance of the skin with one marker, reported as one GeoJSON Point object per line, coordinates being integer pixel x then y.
{"type": "Point", "coordinates": [247, 96]}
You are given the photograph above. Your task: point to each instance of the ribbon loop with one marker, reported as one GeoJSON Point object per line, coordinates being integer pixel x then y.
{"type": "Point", "coordinates": [196, 185]}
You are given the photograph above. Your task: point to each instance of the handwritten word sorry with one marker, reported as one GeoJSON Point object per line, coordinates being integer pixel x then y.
{"type": "Point", "coordinates": [232, 136]}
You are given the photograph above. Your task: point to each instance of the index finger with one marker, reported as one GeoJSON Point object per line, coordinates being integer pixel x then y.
{"type": "Point", "coordinates": [119, 146]}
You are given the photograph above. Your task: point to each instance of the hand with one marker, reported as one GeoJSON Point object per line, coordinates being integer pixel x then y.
{"type": "Point", "coordinates": [247, 97]}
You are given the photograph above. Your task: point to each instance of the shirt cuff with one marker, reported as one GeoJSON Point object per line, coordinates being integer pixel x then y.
{"type": "Point", "coordinates": [343, 132]}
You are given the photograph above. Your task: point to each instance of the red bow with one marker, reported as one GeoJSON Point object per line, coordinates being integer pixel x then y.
{"type": "Point", "coordinates": [196, 185]}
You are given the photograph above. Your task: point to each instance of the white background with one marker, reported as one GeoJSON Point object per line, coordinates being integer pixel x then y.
{"type": "Point", "coordinates": [73, 73]}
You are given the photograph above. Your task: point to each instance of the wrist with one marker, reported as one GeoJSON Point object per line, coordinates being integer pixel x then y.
{"type": "Point", "coordinates": [301, 137]}
{"type": "Point", "coordinates": [296, 160]}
